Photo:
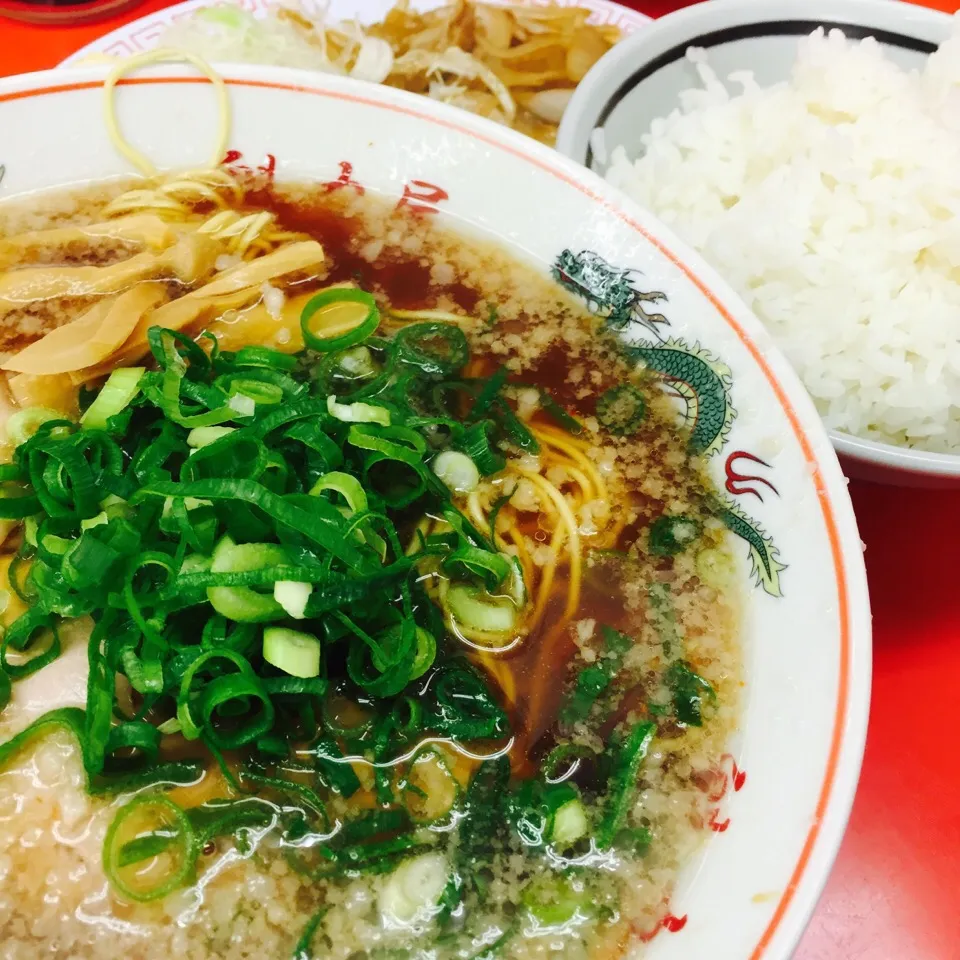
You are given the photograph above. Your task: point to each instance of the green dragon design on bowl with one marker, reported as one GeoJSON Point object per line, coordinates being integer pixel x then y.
{"type": "Point", "coordinates": [701, 380]}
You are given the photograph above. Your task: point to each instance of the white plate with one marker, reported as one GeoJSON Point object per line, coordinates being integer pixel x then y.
{"type": "Point", "coordinates": [142, 34]}
{"type": "Point", "coordinates": [806, 631]}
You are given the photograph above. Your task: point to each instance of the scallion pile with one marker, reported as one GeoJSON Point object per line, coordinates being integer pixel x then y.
{"type": "Point", "coordinates": [245, 531]}
{"type": "Point", "coordinates": [241, 529]}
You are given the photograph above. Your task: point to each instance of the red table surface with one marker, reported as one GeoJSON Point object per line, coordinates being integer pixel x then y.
{"type": "Point", "coordinates": [894, 893]}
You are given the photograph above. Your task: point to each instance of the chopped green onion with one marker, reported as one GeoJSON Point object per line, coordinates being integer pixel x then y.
{"type": "Point", "coordinates": [242, 405]}
{"type": "Point", "coordinates": [554, 900]}
{"type": "Point", "coordinates": [414, 888]}
{"type": "Point", "coordinates": [256, 390]}
{"type": "Point", "coordinates": [23, 424]}
{"type": "Point", "coordinates": [293, 596]}
{"type": "Point", "coordinates": [476, 444]}
{"type": "Point", "coordinates": [489, 393]}
{"type": "Point", "coordinates": [457, 471]}
{"type": "Point", "coordinates": [515, 585]}
{"type": "Point", "coordinates": [292, 652]}
{"type": "Point", "coordinates": [593, 680]}
{"type": "Point", "coordinates": [670, 535]}
{"type": "Point", "coordinates": [357, 412]}
{"type": "Point", "coordinates": [622, 409]}
{"type": "Point", "coordinates": [201, 436]}
{"type": "Point", "coordinates": [358, 362]}
{"type": "Point", "coordinates": [436, 349]}
{"type": "Point", "coordinates": [239, 602]}
{"type": "Point", "coordinates": [425, 655]}
{"type": "Point", "coordinates": [347, 486]}
{"type": "Point", "coordinates": [688, 689]}
{"type": "Point", "coordinates": [214, 501]}
{"type": "Point", "coordinates": [331, 298]}
{"type": "Point", "coordinates": [265, 357]}
{"type": "Point", "coordinates": [333, 770]}
{"type": "Point", "coordinates": [99, 520]}
{"type": "Point", "coordinates": [569, 824]}
{"type": "Point", "coordinates": [628, 757]}
{"type": "Point", "coordinates": [476, 609]}
{"type": "Point", "coordinates": [663, 616]}
{"type": "Point", "coordinates": [559, 415]}
{"type": "Point", "coordinates": [116, 395]}
{"type": "Point", "coordinates": [148, 817]}
{"type": "Point", "coordinates": [517, 432]}
{"type": "Point", "coordinates": [494, 568]}
{"type": "Point", "coordinates": [304, 948]}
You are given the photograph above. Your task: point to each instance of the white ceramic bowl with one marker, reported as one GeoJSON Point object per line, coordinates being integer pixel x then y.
{"type": "Point", "coordinates": [641, 78]}
{"type": "Point", "coordinates": [794, 765]}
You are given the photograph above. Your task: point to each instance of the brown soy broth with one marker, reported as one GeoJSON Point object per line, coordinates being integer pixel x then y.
{"type": "Point", "coordinates": [404, 280]}
{"type": "Point", "coordinates": [551, 371]}
{"type": "Point", "coordinates": [543, 674]}
{"type": "Point", "coordinates": [540, 676]}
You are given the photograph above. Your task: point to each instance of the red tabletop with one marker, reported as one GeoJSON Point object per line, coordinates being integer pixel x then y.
{"type": "Point", "coordinates": [895, 891]}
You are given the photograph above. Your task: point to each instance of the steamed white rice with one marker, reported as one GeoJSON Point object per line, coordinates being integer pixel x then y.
{"type": "Point", "coordinates": [831, 203]}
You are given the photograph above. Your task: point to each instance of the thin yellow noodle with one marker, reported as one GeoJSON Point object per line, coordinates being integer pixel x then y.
{"type": "Point", "coordinates": [558, 437]}
{"type": "Point", "coordinates": [546, 646]}
{"type": "Point", "coordinates": [204, 184]}
{"type": "Point", "coordinates": [501, 673]}
{"type": "Point", "coordinates": [611, 534]}
{"type": "Point", "coordinates": [163, 55]}
{"type": "Point", "coordinates": [566, 526]}
{"type": "Point", "coordinates": [573, 544]}
{"type": "Point", "coordinates": [476, 511]}
{"type": "Point", "coordinates": [422, 527]}
{"type": "Point", "coordinates": [140, 200]}
{"type": "Point", "coordinates": [178, 195]}
{"type": "Point", "coordinates": [545, 506]}
{"type": "Point", "coordinates": [577, 451]}
{"type": "Point", "coordinates": [229, 223]}
{"type": "Point", "coordinates": [610, 526]}
{"type": "Point", "coordinates": [246, 234]}
{"type": "Point", "coordinates": [546, 577]}
{"type": "Point", "coordinates": [583, 481]}
{"type": "Point", "coordinates": [575, 494]}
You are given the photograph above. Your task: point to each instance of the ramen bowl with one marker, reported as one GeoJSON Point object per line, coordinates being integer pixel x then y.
{"type": "Point", "coordinates": [779, 805]}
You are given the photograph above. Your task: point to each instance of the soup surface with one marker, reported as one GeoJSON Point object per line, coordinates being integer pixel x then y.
{"type": "Point", "coordinates": [488, 722]}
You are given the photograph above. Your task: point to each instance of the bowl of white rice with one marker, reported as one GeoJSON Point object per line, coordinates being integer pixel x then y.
{"type": "Point", "coordinates": [810, 150]}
